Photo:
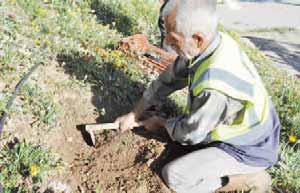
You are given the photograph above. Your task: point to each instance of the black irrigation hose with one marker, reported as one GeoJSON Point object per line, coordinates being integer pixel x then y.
{"type": "Point", "coordinates": [15, 94]}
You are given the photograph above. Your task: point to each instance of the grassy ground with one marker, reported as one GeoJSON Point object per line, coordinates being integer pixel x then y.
{"type": "Point", "coordinates": [23, 165]}
{"type": "Point", "coordinates": [83, 79]}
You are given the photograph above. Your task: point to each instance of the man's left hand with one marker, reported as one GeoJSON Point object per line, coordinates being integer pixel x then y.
{"type": "Point", "coordinates": [154, 123]}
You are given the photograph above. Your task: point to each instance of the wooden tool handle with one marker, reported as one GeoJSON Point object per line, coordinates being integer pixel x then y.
{"type": "Point", "coordinates": [103, 126]}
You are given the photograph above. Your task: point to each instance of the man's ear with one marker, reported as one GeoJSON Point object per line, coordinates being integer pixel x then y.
{"type": "Point", "coordinates": [198, 37]}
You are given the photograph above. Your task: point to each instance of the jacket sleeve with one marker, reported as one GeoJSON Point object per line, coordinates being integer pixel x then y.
{"type": "Point", "coordinates": [174, 78]}
{"type": "Point", "coordinates": [209, 109]}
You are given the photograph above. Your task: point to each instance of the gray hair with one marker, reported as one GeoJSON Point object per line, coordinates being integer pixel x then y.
{"type": "Point", "coordinates": [194, 16]}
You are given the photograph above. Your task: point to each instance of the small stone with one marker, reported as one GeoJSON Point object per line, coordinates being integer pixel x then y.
{"type": "Point", "coordinates": [59, 187]}
{"type": "Point", "coordinates": [149, 162]}
{"type": "Point", "coordinates": [70, 139]}
{"type": "Point", "coordinates": [2, 85]}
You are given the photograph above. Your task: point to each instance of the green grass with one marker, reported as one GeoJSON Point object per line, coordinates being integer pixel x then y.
{"type": "Point", "coordinates": [128, 16]}
{"type": "Point", "coordinates": [4, 96]}
{"type": "Point", "coordinates": [23, 165]}
{"type": "Point", "coordinates": [287, 174]}
{"type": "Point", "coordinates": [41, 105]}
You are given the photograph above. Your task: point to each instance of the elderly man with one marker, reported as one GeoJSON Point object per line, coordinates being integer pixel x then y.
{"type": "Point", "coordinates": [228, 107]}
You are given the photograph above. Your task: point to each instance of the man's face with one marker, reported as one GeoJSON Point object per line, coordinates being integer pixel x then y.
{"type": "Point", "coordinates": [187, 47]}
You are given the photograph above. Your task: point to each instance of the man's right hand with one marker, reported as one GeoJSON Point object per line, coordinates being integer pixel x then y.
{"type": "Point", "coordinates": [127, 122]}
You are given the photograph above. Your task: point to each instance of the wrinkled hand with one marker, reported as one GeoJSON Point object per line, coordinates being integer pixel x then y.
{"type": "Point", "coordinates": [154, 123]}
{"type": "Point", "coordinates": [127, 122]}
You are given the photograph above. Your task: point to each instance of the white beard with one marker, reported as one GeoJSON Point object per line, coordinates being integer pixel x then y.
{"type": "Point", "coordinates": [186, 52]}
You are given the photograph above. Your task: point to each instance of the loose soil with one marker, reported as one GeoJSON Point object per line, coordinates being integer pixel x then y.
{"type": "Point", "coordinates": [120, 162]}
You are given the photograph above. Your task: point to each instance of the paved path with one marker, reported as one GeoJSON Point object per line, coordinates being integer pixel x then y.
{"type": "Point", "coordinates": [282, 46]}
{"type": "Point", "coordinates": [260, 15]}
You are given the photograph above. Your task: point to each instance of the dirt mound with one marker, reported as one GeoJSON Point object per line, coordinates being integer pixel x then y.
{"type": "Point", "coordinates": [121, 162]}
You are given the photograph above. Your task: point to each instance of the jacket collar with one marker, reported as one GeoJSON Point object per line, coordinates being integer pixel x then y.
{"type": "Point", "coordinates": [212, 47]}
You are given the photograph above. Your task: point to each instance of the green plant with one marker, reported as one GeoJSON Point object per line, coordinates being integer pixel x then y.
{"type": "Point", "coordinates": [40, 104]}
{"type": "Point", "coordinates": [6, 60]}
{"type": "Point", "coordinates": [98, 189]}
{"type": "Point", "coordinates": [22, 163]}
{"type": "Point", "coordinates": [287, 174]}
{"type": "Point", "coordinates": [100, 71]}
{"type": "Point", "coordinates": [128, 16]}
{"type": "Point", "coordinates": [3, 101]}
{"type": "Point", "coordinates": [33, 8]}
{"type": "Point", "coordinates": [7, 55]}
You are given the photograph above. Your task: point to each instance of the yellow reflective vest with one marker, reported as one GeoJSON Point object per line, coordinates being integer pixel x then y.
{"type": "Point", "coordinates": [229, 71]}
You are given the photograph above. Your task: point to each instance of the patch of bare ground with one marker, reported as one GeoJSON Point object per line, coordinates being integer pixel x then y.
{"type": "Point", "coordinates": [120, 162]}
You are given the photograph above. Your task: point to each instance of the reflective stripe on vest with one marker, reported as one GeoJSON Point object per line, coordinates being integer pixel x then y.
{"type": "Point", "coordinates": [230, 72]}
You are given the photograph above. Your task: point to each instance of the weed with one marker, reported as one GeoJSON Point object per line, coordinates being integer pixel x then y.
{"type": "Point", "coordinates": [128, 16]}
{"type": "Point", "coordinates": [7, 56]}
{"type": "Point", "coordinates": [23, 165]}
{"type": "Point", "coordinates": [4, 97]}
{"type": "Point", "coordinates": [287, 174]}
{"type": "Point", "coordinates": [100, 73]}
{"type": "Point", "coordinates": [40, 104]}
{"type": "Point", "coordinates": [98, 189]}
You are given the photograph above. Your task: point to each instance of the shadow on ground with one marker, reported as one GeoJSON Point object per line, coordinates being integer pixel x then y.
{"type": "Point", "coordinates": [280, 52]}
{"type": "Point", "coordinates": [116, 92]}
{"type": "Point", "coordinates": [110, 14]}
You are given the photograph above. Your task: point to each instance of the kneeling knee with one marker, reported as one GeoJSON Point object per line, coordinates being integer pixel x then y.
{"type": "Point", "coordinates": [167, 173]}
{"type": "Point", "coordinates": [172, 177]}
